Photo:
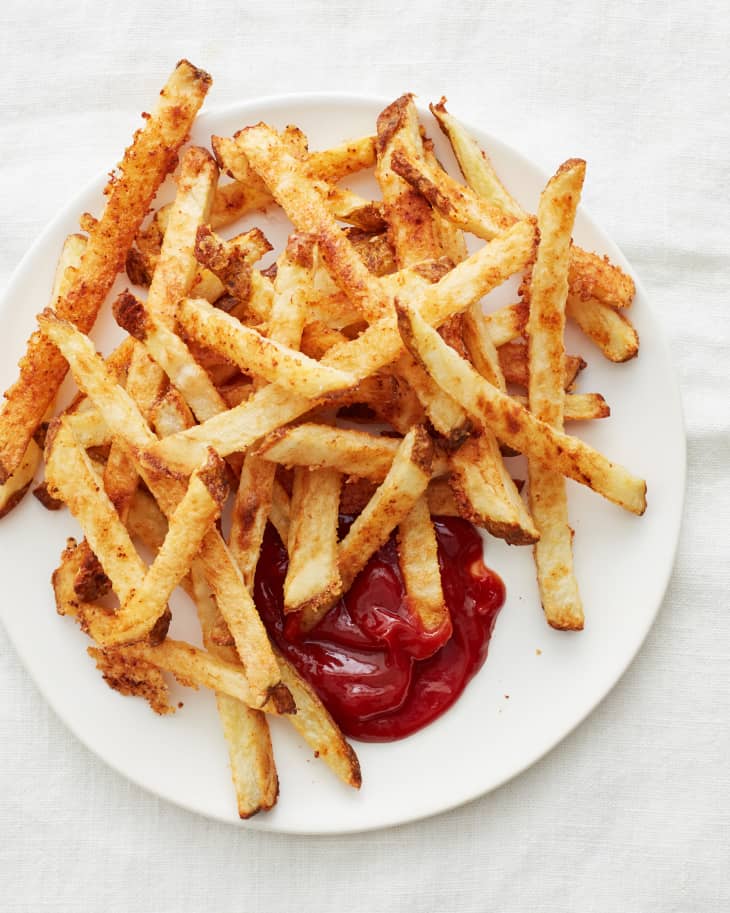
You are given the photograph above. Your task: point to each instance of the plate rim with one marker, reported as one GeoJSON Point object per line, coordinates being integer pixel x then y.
{"type": "Point", "coordinates": [325, 98]}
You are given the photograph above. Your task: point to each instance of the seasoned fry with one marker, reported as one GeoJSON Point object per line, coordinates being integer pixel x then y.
{"type": "Point", "coordinates": [515, 426]}
{"type": "Point", "coordinates": [418, 558]}
{"type": "Point", "coordinates": [325, 168]}
{"type": "Point", "coordinates": [589, 275]}
{"type": "Point", "coordinates": [319, 446]}
{"type": "Point", "coordinates": [145, 165]}
{"type": "Point", "coordinates": [356, 453]}
{"type": "Point", "coordinates": [171, 354]}
{"type": "Point", "coordinates": [606, 327]}
{"type": "Point", "coordinates": [558, 586]}
{"type": "Point", "coordinates": [485, 493]}
{"type": "Point", "coordinates": [15, 486]}
{"type": "Point", "coordinates": [143, 593]}
{"type": "Point", "coordinates": [258, 354]}
{"type": "Point", "coordinates": [313, 578]}
{"type": "Point", "coordinates": [579, 407]}
{"type": "Point", "coordinates": [246, 730]}
{"type": "Point", "coordinates": [404, 484]}
{"type": "Point", "coordinates": [318, 728]}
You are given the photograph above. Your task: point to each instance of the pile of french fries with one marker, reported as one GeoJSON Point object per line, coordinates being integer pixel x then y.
{"type": "Point", "coordinates": [248, 381]}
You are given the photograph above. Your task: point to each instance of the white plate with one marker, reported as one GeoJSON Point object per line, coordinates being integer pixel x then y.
{"type": "Point", "coordinates": [521, 703]}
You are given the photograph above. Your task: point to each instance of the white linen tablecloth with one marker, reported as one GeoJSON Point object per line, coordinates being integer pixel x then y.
{"type": "Point", "coordinates": [630, 813]}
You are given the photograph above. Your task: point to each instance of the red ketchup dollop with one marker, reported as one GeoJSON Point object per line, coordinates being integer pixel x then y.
{"type": "Point", "coordinates": [378, 672]}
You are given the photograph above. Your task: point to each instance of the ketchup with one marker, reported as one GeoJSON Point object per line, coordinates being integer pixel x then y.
{"type": "Point", "coordinates": [378, 672]}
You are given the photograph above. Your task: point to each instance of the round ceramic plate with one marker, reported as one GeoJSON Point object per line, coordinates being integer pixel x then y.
{"type": "Point", "coordinates": [536, 685]}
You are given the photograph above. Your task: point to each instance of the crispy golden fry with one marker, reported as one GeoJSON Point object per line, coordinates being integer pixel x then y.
{"type": "Point", "coordinates": [171, 354]}
{"type": "Point", "coordinates": [589, 275]}
{"type": "Point", "coordinates": [558, 586]}
{"type": "Point", "coordinates": [324, 168]}
{"type": "Point", "coordinates": [72, 479]}
{"type": "Point", "coordinates": [606, 327]}
{"type": "Point", "coordinates": [313, 578]}
{"type": "Point", "coordinates": [190, 666]}
{"type": "Point", "coordinates": [246, 730]}
{"type": "Point", "coordinates": [412, 229]}
{"type": "Point", "coordinates": [485, 493]}
{"type": "Point", "coordinates": [318, 729]}
{"type": "Point", "coordinates": [145, 165]}
{"type": "Point", "coordinates": [579, 407]}
{"type": "Point", "coordinates": [193, 518]}
{"type": "Point", "coordinates": [257, 354]}
{"type": "Point", "coordinates": [250, 514]}
{"type": "Point", "coordinates": [356, 453]}
{"type": "Point", "coordinates": [474, 163]}
{"type": "Point", "coordinates": [418, 559]}
{"type": "Point", "coordinates": [231, 261]}
{"type": "Point", "coordinates": [513, 425]}
{"type": "Point", "coordinates": [404, 484]}
{"type": "Point", "coordinates": [507, 323]}
{"type": "Point", "coordinates": [445, 414]}
{"type": "Point", "coordinates": [19, 481]}
{"type": "Point", "coordinates": [320, 446]}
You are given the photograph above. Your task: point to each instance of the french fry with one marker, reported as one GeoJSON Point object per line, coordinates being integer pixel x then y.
{"type": "Point", "coordinates": [579, 407]}
{"type": "Point", "coordinates": [606, 327]}
{"type": "Point", "coordinates": [558, 586]}
{"type": "Point", "coordinates": [313, 578]}
{"type": "Point", "coordinates": [514, 425]}
{"type": "Point", "coordinates": [589, 275]}
{"type": "Point", "coordinates": [355, 453]}
{"type": "Point", "coordinates": [320, 446]}
{"type": "Point", "coordinates": [231, 261]}
{"type": "Point", "coordinates": [412, 228]}
{"type": "Point", "coordinates": [323, 168]}
{"type": "Point", "coordinates": [418, 559]}
{"type": "Point", "coordinates": [14, 488]}
{"type": "Point", "coordinates": [171, 354]}
{"type": "Point", "coordinates": [257, 354]}
{"type": "Point", "coordinates": [245, 729]}
{"type": "Point", "coordinates": [318, 729]}
{"type": "Point", "coordinates": [404, 484]}
{"type": "Point", "coordinates": [485, 493]}
{"type": "Point", "coordinates": [145, 165]}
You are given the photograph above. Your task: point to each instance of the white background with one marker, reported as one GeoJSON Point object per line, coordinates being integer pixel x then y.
{"type": "Point", "coordinates": [631, 812]}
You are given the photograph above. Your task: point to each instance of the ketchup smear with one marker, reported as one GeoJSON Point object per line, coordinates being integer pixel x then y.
{"type": "Point", "coordinates": [378, 672]}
